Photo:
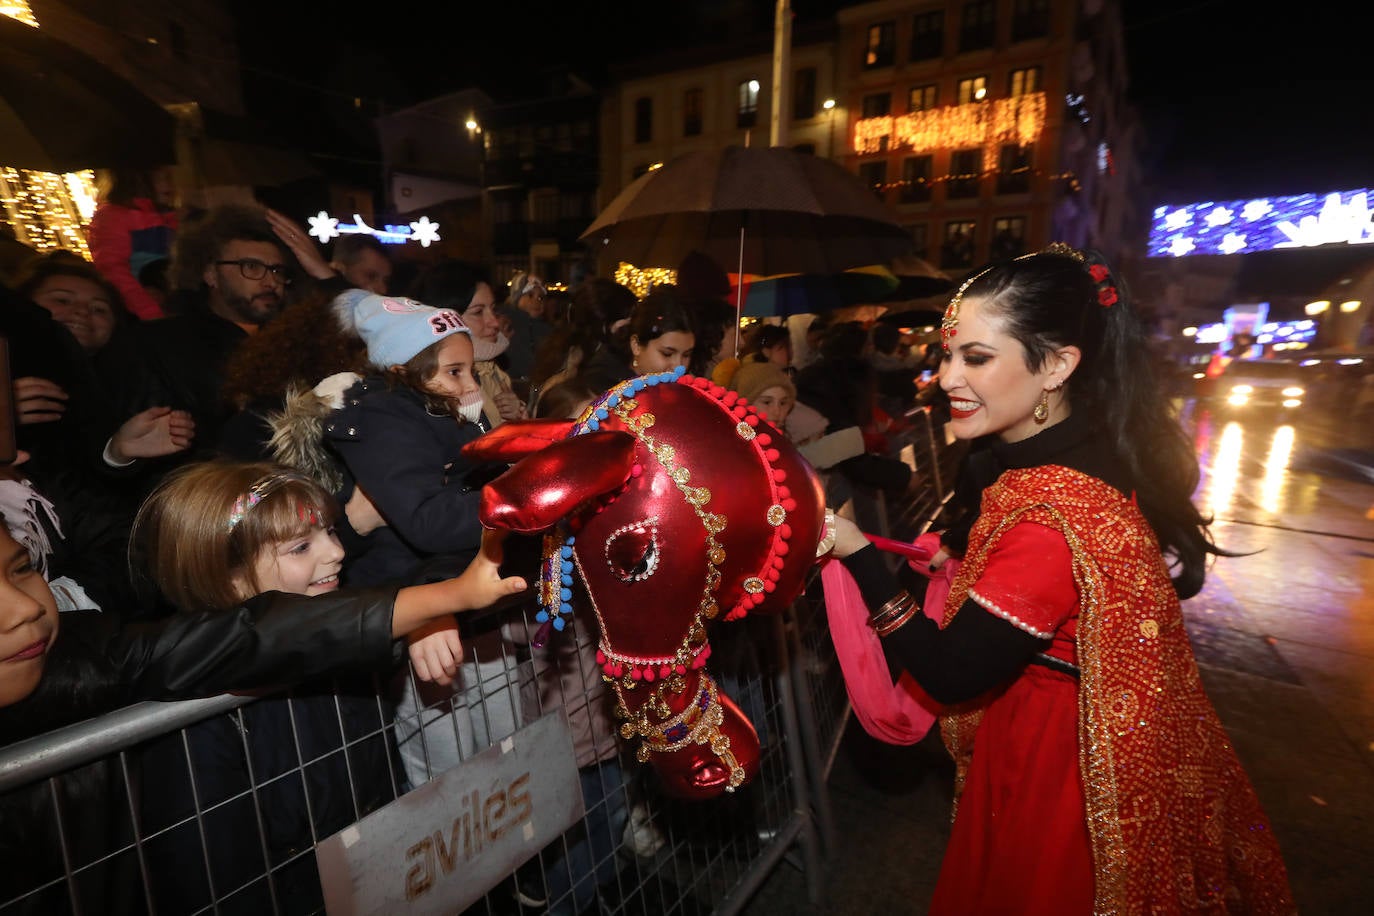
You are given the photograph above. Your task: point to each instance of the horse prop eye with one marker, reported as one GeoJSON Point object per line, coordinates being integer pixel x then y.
{"type": "Point", "coordinates": [632, 551]}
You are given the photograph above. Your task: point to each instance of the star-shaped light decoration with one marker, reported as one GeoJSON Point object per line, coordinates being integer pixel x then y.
{"type": "Point", "coordinates": [1231, 243]}
{"type": "Point", "coordinates": [1219, 216]}
{"type": "Point", "coordinates": [1181, 245]}
{"type": "Point", "coordinates": [324, 227]}
{"type": "Point", "coordinates": [424, 232]}
{"type": "Point", "coordinates": [1256, 209]}
{"type": "Point", "coordinates": [1179, 219]}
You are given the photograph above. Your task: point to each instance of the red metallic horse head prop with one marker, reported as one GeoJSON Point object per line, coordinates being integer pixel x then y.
{"type": "Point", "coordinates": [674, 503]}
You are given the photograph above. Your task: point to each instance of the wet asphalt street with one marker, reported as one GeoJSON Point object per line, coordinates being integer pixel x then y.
{"type": "Point", "coordinates": [1285, 640]}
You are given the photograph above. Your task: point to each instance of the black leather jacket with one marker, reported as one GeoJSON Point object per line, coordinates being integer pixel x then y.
{"type": "Point", "coordinates": [97, 665]}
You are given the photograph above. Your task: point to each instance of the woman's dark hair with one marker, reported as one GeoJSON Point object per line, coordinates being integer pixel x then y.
{"type": "Point", "coordinates": [303, 344]}
{"type": "Point", "coordinates": [661, 312]}
{"type": "Point", "coordinates": [449, 284]}
{"type": "Point", "coordinates": [769, 336]}
{"type": "Point", "coordinates": [595, 306]}
{"type": "Point", "coordinates": [1051, 300]}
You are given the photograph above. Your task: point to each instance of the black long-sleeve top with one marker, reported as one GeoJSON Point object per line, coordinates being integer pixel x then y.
{"type": "Point", "coordinates": [979, 650]}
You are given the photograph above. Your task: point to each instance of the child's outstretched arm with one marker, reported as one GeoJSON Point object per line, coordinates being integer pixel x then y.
{"type": "Point", "coordinates": [480, 585]}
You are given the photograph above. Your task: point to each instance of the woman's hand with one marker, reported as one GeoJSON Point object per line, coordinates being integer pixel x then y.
{"type": "Point", "coordinates": [848, 538]}
{"type": "Point", "coordinates": [509, 406]}
{"type": "Point", "coordinates": [38, 400]}
{"type": "Point", "coordinates": [298, 241]}
{"type": "Point", "coordinates": [152, 433]}
{"type": "Point", "coordinates": [436, 652]}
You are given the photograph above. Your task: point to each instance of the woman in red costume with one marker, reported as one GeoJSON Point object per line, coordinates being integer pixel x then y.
{"type": "Point", "coordinates": [1101, 780]}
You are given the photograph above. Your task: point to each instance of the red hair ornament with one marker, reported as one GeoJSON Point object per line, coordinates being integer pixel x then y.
{"type": "Point", "coordinates": [674, 503]}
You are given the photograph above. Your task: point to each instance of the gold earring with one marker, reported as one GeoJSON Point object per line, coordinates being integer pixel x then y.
{"type": "Point", "coordinates": [634, 364]}
{"type": "Point", "coordinates": [1042, 410]}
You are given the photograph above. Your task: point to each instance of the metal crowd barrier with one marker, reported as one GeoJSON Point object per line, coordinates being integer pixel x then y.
{"type": "Point", "coordinates": [101, 835]}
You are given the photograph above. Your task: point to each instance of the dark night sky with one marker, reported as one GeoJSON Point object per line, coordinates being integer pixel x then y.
{"type": "Point", "coordinates": [1236, 101]}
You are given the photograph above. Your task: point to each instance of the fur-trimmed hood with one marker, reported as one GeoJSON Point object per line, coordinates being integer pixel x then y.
{"type": "Point", "coordinates": [298, 429]}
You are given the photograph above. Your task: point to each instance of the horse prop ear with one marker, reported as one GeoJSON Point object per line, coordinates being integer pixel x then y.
{"type": "Point", "coordinates": [515, 439]}
{"type": "Point", "coordinates": [550, 483]}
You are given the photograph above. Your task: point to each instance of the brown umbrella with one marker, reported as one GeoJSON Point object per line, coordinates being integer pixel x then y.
{"type": "Point", "coordinates": [764, 210]}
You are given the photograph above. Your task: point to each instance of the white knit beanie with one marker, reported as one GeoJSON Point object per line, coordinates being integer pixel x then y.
{"type": "Point", "coordinates": [396, 329]}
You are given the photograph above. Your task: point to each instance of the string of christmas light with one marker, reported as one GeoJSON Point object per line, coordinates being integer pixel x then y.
{"type": "Point", "coordinates": [47, 210]}
{"type": "Point", "coordinates": [988, 125]}
{"type": "Point", "coordinates": [1070, 177]}
{"type": "Point", "coordinates": [641, 280]}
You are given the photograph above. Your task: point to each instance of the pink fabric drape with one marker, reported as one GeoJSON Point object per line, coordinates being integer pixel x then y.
{"type": "Point", "coordinates": [898, 713]}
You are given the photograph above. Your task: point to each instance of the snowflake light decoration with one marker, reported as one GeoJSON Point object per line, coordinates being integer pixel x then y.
{"type": "Point", "coordinates": [324, 227]}
{"type": "Point", "coordinates": [424, 231]}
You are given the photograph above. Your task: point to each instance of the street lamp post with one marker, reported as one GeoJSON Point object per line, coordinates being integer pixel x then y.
{"type": "Point", "coordinates": [829, 106]}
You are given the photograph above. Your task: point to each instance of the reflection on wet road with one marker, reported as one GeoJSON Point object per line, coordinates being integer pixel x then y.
{"type": "Point", "coordinates": [1280, 475]}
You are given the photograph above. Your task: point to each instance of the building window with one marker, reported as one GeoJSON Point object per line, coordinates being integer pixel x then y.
{"type": "Point", "coordinates": [956, 251]}
{"type": "Point", "coordinates": [747, 111]}
{"type": "Point", "coordinates": [965, 168]}
{"type": "Point", "coordinates": [1030, 19]}
{"type": "Point", "coordinates": [978, 26]}
{"type": "Point", "coordinates": [916, 180]}
{"type": "Point", "coordinates": [1014, 169]}
{"type": "Point", "coordinates": [1008, 238]}
{"type": "Point", "coordinates": [973, 89]}
{"type": "Point", "coordinates": [1024, 82]}
{"type": "Point", "coordinates": [692, 105]}
{"type": "Point", "coordinates": [927, 35]}
{"type": "Point", "coordinates": [874, 174]}
{"type": "Point", "coordinates": [644, 119]}
{"type": "Point", "coordinates": [920, 238]}
{"type": "Point", "coordinates": [881, 50]}
{"type": "Point", "coordinates": [804, 94]}
{"type": "Point", "coordinates": [923, 98]}
{"type": "Point", "coordinates": [877, 104]}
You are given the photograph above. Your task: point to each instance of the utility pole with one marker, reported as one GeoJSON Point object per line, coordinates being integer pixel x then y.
{"type": "Point", "coordinates": [782, 66]}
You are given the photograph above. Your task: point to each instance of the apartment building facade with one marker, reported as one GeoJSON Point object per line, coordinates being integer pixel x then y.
{"type": "Point", "coordinates": [991, 127]}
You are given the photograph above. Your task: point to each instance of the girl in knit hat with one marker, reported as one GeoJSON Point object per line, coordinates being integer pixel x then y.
{"type": "Point", "coordinates": [400, 433]}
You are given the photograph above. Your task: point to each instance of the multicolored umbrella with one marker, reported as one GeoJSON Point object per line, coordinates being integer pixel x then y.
{"type": "Point", "coordinates": [796, 294]}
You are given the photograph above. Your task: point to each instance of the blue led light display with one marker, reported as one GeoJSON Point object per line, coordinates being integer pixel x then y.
{"type": "Point", "coordinates": [1262, 224]}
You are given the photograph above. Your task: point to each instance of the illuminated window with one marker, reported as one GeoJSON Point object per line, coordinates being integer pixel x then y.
{"type": "Point", "coordinates": [956, 250]}
{"type": "Point", "coordinates": [1008, 238]}
{"type": "Point", "coordinates": [965, 169]}
{"type": "Point", "coordinates": [1013, 169]}
{"type": "Point", "coordinates": [978, 25]}
{"type": "Point", "coordinates": [922, 98]}
{"type": "Point", "coordinates": [1030, 19]}
{"type": "Point", "coordinates": [804, 94]}
{"type": "Point", "coordinates": [881, 50]}
{"type": "Point", "coordinates": [1024, 81]}
{"type": "Point", "coordinates": [927, 35]}
{"type": "Point", "coordinates": [747, 112]}
{"type": "Point", "coordinates": [692, 107]}
{"type": "Point", "coordinates": [973, 89]}
{"type": "Point", "coordinates": [916, 179]}
{"type": "Point", "coordinates": [644, 119]}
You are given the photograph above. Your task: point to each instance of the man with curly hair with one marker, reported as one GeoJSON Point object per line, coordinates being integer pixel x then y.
{"type": "Point", "coordinates": [230, 273]}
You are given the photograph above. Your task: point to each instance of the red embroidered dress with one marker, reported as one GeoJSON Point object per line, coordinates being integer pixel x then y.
{"type": "Point", "coordinates": [1118, 793]}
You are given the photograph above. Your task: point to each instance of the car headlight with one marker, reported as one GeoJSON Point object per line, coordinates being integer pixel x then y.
{"type": "Point", "coordinates": [1241, 389]}
{"type": "Point", "coordinates": [1293, 391]}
